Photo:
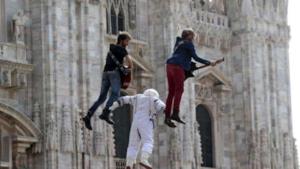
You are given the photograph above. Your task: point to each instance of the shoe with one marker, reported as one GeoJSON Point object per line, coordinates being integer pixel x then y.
{"type": "Point", "coordinates": [175, 116]}
{"type": "Point", "coordinates": [87, 122]}
{"type": "Point", "coordinates": [129, 163]}
{"type": "Point", "coordinates": [144, 160]}
{"type": "Point", "coordinates": [106, 117]}
{"type": "Point", "coordinates": [169, 122]}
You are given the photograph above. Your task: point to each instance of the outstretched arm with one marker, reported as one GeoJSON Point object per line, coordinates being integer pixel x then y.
{"type": "Point", "coordinates": [194, 55]}
{"type": "Point", "coordinates": [128, 61]}
{"type": "Point", "coordinates": [123, 100]}
{"type": "Point", "coordinates": [159, 106]}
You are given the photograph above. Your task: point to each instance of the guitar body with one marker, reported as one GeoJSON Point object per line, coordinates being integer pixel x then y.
{"type": "Point", "coordinates": [125, 81]}
{"type": "Point", "coordinates": [125, 77]}
{"type": "Point", "coordinates": [189, 73]}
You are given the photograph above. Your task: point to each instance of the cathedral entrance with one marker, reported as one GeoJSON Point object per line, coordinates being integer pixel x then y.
{"type": "Point", "coordinates": [122, 118]}
{"type": "Point", "coordinates": [5, 149]}
{"type": "Point", "coordinates": [15, 139]}
{"type": "Point", "coordinates": [205, 130]}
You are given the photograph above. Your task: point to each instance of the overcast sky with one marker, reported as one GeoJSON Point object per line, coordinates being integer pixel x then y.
{"type": "Point", "coordinates": [294, 22]}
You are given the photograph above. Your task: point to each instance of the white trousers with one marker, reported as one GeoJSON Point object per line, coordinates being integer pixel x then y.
{"type": "Point", "coordinates": [141, 135]}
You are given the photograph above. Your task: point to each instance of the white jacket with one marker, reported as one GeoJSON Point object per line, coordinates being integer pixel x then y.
{"type": "Point", "coordinates": [144, 107]}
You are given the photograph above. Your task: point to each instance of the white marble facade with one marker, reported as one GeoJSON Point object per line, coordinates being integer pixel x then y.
{"type": "Point", "coordinates": [52, 54]}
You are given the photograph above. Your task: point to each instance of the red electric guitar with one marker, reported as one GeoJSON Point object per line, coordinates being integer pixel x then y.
{"type": "Point", "coordinates": [126, 78]}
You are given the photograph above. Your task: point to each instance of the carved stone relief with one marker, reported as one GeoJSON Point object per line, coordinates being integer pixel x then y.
{"type": "Point", "coordinates": [203, 92]}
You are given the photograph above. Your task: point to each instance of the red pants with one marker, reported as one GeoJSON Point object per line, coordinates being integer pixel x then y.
{"type": "Point", "coordinates": [176, 79]}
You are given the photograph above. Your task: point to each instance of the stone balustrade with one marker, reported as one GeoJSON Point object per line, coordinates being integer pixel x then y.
{"type": "Point", "coordinates": [213, 19]}
{"type": "Point", "coordinates": [13, 52]}
{"type": "Point", "coordinates": [14, 65]}
{"type": "Point", "coordinates": [120, 163]}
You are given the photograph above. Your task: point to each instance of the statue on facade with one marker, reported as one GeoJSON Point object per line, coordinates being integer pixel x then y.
{"type": "Point", "coordinates": [18, 26]}
{"type": "Point", "coordinates": [132, 13]}
{"type": "Point", "coordinates": [51, 129]}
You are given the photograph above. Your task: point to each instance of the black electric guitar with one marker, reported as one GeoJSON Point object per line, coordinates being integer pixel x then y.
{"type": "Point", "coordinates": [189, 74]}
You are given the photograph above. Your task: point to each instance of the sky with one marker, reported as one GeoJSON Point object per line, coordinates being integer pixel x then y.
{"type": "Point", "coordinates": [293, 19]}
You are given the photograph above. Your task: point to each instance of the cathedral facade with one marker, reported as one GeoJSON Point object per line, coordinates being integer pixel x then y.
{"type": "Point", "coordinates": [52, 54]}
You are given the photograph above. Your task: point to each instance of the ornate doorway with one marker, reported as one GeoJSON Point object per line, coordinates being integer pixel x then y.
{"type": "Point", "coordinates": [205, 130]}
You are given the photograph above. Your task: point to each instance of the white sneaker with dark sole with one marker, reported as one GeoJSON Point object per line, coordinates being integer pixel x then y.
{"type": "Point", "coordinates": [147, 166]}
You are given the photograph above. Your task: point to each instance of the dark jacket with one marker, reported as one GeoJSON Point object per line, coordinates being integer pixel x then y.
{"type": "Point", "coordinates": [183, 55]}
{"type": "Point", "coordinates": [119, 52]}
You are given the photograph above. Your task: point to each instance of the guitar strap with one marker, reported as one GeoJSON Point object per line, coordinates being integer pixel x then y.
{"type": "Point", "coordinates": [115, 59]}
{"type": "Point", "coordinates": [178, 45]}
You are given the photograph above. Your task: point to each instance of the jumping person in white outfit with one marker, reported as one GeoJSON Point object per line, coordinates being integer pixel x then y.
{"type": "Point", "coordinates": [146, 106]}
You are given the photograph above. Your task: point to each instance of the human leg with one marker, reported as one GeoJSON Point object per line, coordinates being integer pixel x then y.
{"type": "Point", "coordinates": [146, 129]}
{"type": "Point", "coordinates": [133, 146]}
{"type": "Point", "coordinates": [171, 91]}
{"type": "Point", "coordinates": [114, 80]}
{"type": "Point", "coordinates": [103, 93]}
{"type": "Point", "coordinates": [179, 88]}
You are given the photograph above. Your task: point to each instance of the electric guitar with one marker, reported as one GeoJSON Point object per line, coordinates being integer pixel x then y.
{"type": "Point", "coordinates": [126, 78]}
{"type": "Point", "coordinates": [125, 71]}
{"type": "Point", "coordinates": [189, 73]}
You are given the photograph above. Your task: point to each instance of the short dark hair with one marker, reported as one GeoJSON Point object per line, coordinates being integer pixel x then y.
{"type": "Point", "coordinates": [123, 36]}
{"type": "Point", "coordinates": [185, 33]}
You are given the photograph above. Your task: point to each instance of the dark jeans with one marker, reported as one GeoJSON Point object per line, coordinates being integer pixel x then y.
{"type": "Point", "coordinates": [110, 79]}
{"type": "Point", "coordinates": [176, 76]}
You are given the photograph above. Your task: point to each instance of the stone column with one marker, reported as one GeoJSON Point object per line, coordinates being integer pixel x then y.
{"type": "Point", "coordinates": [2, 21]}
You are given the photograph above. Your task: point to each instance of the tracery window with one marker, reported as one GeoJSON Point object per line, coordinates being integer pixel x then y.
{"type": "Point", "coordinates": [113, 19]}
{"type": "Point", "coordinates": [121, 20]}
{"type": "Point", "coordinates": [116, 16]}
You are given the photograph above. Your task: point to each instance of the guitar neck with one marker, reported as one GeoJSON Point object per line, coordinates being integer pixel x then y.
{"type": "Point", "coordinates": [217, 62]}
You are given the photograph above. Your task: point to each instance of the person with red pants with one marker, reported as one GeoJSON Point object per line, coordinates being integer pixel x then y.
{"type": "Point", "coordinates": [177, 64]}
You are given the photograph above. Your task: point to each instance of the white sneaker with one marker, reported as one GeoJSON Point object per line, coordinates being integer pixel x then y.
{"type": "Point", "coordinates": [144, 160]}
{"type": "Point", "coordinates": [129, 163]}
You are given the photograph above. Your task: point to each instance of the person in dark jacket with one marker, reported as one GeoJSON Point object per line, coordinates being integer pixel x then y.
{"type": "Point", "coordinates": [111, 79]}
{"type": "Point", "coordinates": [177, 64]}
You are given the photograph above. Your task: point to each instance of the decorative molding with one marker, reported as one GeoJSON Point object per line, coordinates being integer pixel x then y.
{"type": "Point", "coordinates": [66, 130]}
{"type": "Point", "coordinates": [215, 77]}
{"type": "Point", "coordinates": [25, 124]}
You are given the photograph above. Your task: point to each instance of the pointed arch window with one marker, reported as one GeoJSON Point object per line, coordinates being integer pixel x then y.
{"type": "Point", "coordinates": [113, 18]}
{"type": "Point", "coordinates": [121, 20]}
{"type": "Point", "coordinates": [107, 22]}
{"type": "Point", "coordinates": [206, 133]}
{"type": "Point", "coordinates": [116, 17]}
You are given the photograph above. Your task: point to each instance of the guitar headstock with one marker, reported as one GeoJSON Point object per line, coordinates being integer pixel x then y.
{"type": "Point", "coordinates": [220, 60]}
